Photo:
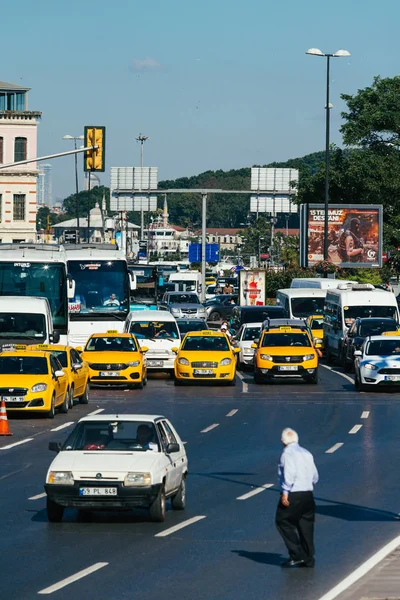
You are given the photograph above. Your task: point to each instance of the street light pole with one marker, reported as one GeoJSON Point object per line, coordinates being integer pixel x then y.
{"type": "Point", "coordinates": [203, 245]}
{"type": "Point", "coordinates": [75, 138]}
{"type": "Point", "coordinates": [141, 139]}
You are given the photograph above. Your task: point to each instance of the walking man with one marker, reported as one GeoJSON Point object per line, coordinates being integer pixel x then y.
{"type": "Point", "coordinates": [295, 514]}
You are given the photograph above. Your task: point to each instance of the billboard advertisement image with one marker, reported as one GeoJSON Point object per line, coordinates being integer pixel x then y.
{"type": "Point", "coordinates": [354, 235]}
{"type": "Point", "coordinates": [252, 288]}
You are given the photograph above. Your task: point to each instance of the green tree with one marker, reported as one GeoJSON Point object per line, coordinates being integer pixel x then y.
{"type": "Point", "coordinates": [42, 215]}
{"type": "Point", "coordinates": [256, 238]}
{"type": "Point", "coordinates": [86, 200]}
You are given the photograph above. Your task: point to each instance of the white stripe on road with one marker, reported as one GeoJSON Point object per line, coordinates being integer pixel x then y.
{"type": "Point", "coordinates": [365, 414]}
{"type": "Point", "coordinates": [38, 496]}
{"type": "Point", "coordinates": [245, 386]}
{"type": "Point", "coordinates": [207, 429]}
{"type": "Point", "coordinates": [179, 526]}
{"type": "Point", "coordinates": [337, 373]}
{"type": "Point", "coordinates": [362, 570]}
{"type": "Point", "coordinates": [95, 412]}
{"type": "Point", "coordinates": [334, 448]}
{"type": "Point", "coordinates": [16, 444]}
{"type": "Point", "coordinates": [76, 577]}
{"type": "Point", "coordinates": [355, 429]}
{"type": "Point", "coordinates": [62, 426]}
{"type": "Point", "coordinates": [232, 412]}
{"type": "Point", "coordinates": [258, 490]}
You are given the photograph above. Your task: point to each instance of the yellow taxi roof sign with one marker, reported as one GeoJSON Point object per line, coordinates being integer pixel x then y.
{"type": "Point", "coordinates": [208, 332]}
{"type": "Point", "coordinates": [43, 346]}
{"type": "Point", "coordinates": [391, 333]}
{"type": "Point", "coordinates": [285, 329]}
{"type": "Point", "coordinates": [112, 332]}
{"type": "Point", "coordinates": [20, 347]}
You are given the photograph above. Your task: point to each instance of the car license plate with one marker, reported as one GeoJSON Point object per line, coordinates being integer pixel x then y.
{"type": "Point", "coordinates": [288, 368]}
{"type": "Point", "coordinates": [392, 378]}
{"type": "Point", "coordinates": [106, 491]}
{"type": "Point", "coordinates": [155, 363]}
{"type": "Point", "coordinates": [14, 399]}
{"type": "Point", "coordinates": [203, 372]}
{"type": "Point", "coordinates": [109, 373]}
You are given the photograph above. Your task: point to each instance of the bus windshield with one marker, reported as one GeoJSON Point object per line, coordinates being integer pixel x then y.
{"type": "Point", "coordinates": [45, 280]}
{"type": "Point", "coordinates": [304, 307]}
{"type": "Point", "coordinates": [146, 288]}
{"type": "Point", "coordinates": [101, 288]}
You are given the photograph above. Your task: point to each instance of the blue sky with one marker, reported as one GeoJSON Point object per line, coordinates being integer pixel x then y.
{"type": "Point", "coordinates": [215, 84]}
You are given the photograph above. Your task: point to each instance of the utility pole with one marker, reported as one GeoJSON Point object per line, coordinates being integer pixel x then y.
{"type": "Point", "coordinates": [203, 245]}
{"type": "Point", "coordinates": [142, 139]}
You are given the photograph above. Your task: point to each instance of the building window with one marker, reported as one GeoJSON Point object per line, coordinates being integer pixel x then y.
{"type": "Point", "coordinates": [19, 207]}
{"type": "Point", "coordinates": [1, 150]}
{"type": "Point", "coordinates": [20, 149]}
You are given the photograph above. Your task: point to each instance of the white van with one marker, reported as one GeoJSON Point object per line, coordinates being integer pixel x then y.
{"type": "Point", "coordinates": [300, 303]}
{"type": "Point", "coordinates": [189, 281]}
{"type": "Point", "coordinates": [321, 283]}
{"type": "Point", "coordinates": [345, 304]}
{"type": "Point", "coordinates": [158, 331]}
{"type": "Point", "coordinates": [26, 320]}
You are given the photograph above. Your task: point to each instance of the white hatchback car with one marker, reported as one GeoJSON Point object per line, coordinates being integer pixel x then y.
{"type": "Point", "coordinates": [377, 364]}
{"type": "Point", "coordinates": [118, 462]}
{"type": "Point", "coordinates": [244, 339]}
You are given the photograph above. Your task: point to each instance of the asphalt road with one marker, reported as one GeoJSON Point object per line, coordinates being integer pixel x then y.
{"type": "Point", "coordinates": [234, 551]}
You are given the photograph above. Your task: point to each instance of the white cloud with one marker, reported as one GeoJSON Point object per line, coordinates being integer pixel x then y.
{"type": "Point", "coordinates": [145, 64]}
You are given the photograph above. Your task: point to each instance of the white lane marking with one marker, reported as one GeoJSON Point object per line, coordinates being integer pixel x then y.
{"type": "Point", "coordinates": [16, 444]}
{"type": "Point", "coordinates": [355, 429]}
{"type": "Point", "coordinates": [245, 386]}
{"type": "Point", "coordinates": [184, 443]}
{"type": "Point", "coordinates": [255, 491]}
{"type": "Point", "coordinates": [207, 429]}
{"type": "Point", "coordinates": [337, 373]}
{"type": "Point", "coordinates": [179, 526]}
{"type": "Point", "coordinates": [38, 496]}
{"type": "Point", "coordinates": [334, 448]}
{"type": "Point", "coordinates": [76, 577]}
{"type": "Point", "coordinates": [232, 412]}
{"type": "Point", "coordinates": [362, 570]}
{"type": "Point", "coordinates": [96, 412]}
{"type": "Point", "coordinates": [365, 414]}
{"type": "Point", "coordinates": [62, 426]}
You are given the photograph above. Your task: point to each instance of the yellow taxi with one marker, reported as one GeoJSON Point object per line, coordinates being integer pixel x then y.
{"type": "Point", "coordinates": [391, 333]}
{"type": "Point", "coordinates": [207, 356]}
{"type": "Point", "coordinates": [286, 352]}
{"type": "Point", "coordinates": [33, 381]}
{"type": "Point", "coordinates": [316, 325]}
{"type": "Point", "coordinates": [115, 358]}
{"type": "Point", "coordinates": [74, 367]}
{"type": "Point", "coordinates": [210, 280]}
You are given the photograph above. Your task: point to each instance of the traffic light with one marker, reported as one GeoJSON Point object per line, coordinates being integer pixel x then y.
{"type": "Point", "coordinates": [95, 160]}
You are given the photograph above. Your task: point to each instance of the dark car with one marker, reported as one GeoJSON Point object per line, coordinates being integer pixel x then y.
{"type": "Point", "coordinates": [186, 325]}
{"type": "Point", "coordinates": [220, 307]}
{"type": "Point", "coordinates": [359, 330]}
{"type": "Point", "coordinates": [255, 314]}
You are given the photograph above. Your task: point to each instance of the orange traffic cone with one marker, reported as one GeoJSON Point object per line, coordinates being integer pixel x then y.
{"type": "Point", "coordinates": [4, 428]}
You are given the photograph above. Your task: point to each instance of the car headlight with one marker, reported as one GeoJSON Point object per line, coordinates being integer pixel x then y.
{"type": "Point", "coordinates": [61, 477]}
{"type": "Point", "coordinates": [318, 341]}
{"type": "Point", "coordinates": [135, 363]}
{"type": "Point", "coordinates": [249, 351]}
{"type": "Point", "coordinates": [225, 362]}
{"type": "Point", "coordinates": [39, 387]}
{"type": "Point", "coordinates": [175, 311]}
{"type": "Point", "coordinates": [370, 367]}
{"type": "Point", "coordinates": [137, 479]}
{"type": "Point", "coordinates": [266, 357]}
{"type": "Point", "coordinates": [183, 361]}
{"type": "Point", "coordinates": [308, 357]}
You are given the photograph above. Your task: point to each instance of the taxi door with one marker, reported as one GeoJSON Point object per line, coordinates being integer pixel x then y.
{"type": "Point", "coordinates": [168, 462]}
{"type": "Point", "coordinates": [60, 383]}
{"type": "Point", "coordinates": [79, 374]}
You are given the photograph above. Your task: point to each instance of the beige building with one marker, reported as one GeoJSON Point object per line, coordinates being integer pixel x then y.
{"type": "Point", "coordinates": [227, 238]}
{"type": "Point", "coordinates": [18, 141]}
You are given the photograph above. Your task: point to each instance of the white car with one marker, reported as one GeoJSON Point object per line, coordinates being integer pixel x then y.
{"type": "Point", "coordinates": [244, 339]}
{"type": "Point", "coordinates": [118, 462]}
{"type": "Point", "coordinates": [377, 364]}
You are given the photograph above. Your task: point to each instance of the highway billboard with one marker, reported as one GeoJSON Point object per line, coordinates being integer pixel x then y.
{"type": "Point", "coordinates": [354, 234]}
{"type": "Point", "coordinates": [252, 288]}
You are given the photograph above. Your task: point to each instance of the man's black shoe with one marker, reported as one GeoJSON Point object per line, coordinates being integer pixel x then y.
{"type": "Point", "coordinates": [292, 563]}
{"type": "Point", "coordinates": [310, 564]}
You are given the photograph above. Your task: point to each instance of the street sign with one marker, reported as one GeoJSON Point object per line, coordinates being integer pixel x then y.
{"type": "Point", "coordinates": [212, 252]}
{"type": "Point", "coordinates": [71, 236]}
{"type": "Point", "coordinates": [276, 185]}
{"type": "Point", "coordinates": [128, 187]}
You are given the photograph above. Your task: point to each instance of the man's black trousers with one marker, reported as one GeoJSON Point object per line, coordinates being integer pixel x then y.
{"type": "Point", "coordinates": [295, 523]}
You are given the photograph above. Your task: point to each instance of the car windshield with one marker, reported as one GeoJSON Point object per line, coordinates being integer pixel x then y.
{"type": "Point", "coordinates": [154, 330]}
{"type": "Point", "coordinates": [23, 365]}
{"type": "Point", "coordinates": [183, 299]}
{"type": "Point", "coordinates": [377, 327]}
{"type": "Point", "coordinates": [285, 339]}
{"type": "Point", "coordinates": [251, 333]}
{"type": "Point", "coordinates": [22, 325]}
{"type": "Point", "coordinates": [214, 343]}
{"type": "Point", "coordinates": [304, 307]}
{"type": "Point", "coordinates": [262, 314]}
{"type": "Point", "coordinates": [134, 436]}
{"type": "Point", "coordinates": [111, 344]}
{"type": "Point", "coordinates": [191, 325]}
{"type": "Point", "coordinates": [62, 357]}
{"type": "Point", "coordinates": [317, 323]}
{"type": "Point", "coordinates": [383, 348]}
{"type": "Point", "coordinates": [352, 312]}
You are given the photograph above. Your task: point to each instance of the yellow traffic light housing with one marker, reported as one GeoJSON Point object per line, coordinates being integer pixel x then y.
{"type": "Point", "coordinates": [95, 160]}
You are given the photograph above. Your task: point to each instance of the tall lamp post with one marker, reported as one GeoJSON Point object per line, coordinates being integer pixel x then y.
{"type": "Point", "coordinates": [141, 139]}
{"type": "Point", "coordinates": [328, 106]}
{"type": "Point", "coordinates": [79, 137]}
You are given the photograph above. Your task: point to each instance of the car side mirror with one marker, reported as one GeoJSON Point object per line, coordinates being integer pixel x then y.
{"type": "Point", "coordinates": [55, 446]}
{"type": "Point", "coordinates": [76, 366]}
{"type": "Point", "coordinates": [79, 349]}
{"type": "Point", "coordinates": [175, 350]}
{"type": "Point", "coordinates": [236, 350]}
{"type": "Point", "coordinates": [254, 346]}
{"type": "Point", "coordinates": [172, 448]}
{"type": "Point", "coordinates": [144, 349]}
{"type": "Point", "coordinates": [54, 337]}
{"type": "Point", "coordinates": [58, 374]}
{"type": "Point", "coordinates": [357, 353]}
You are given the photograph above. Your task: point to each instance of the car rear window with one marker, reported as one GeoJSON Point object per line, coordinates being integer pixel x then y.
{"type": "Point", "coordinates": [261, 314]}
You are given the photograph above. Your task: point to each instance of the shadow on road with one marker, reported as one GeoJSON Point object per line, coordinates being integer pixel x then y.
{"type": "Point", "coordinates": [354, 512]}
{"type": "Point", "coordinates": [265, 558]}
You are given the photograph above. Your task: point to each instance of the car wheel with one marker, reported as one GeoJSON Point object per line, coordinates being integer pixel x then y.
{"type": "Point", "coordinates": [55, 512]}
{"type": "Point", "coordinates": [145, 380]}
{"type": "Point", "coordinates": [139, 386]}
{"type": "Point", "coordinates": [52, 412]}
{"type": "Point", "coordinates": [313, 379]}
{"type": "Point", "coordinates": [65, 405]}
{"type": "Point", "coordinates": [360, 387]}
{"type": "Point", "coordinates": [215, 316]}
{"type": "Point", "coordinates": [84, 399]}
{"type": "Point", "coordinates": [71, 398]}
{"type": "Point", "coordinates": [179, 500]}
{"type": "Point", "coordinates": [158, 508]}
{"type": "Point", "coordinates": [233, 382]}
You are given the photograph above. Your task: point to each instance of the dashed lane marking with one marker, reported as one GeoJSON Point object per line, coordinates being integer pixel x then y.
{"type": "Point", "coordinates": [63, 426]}
{"type": "Point", "coordinates": [232, 412]}
{"type": "Point", "coordinates": [258, 490]}
{"type": "Point", "coordinates": [245, 386]}
{"type": "Point", "coordinates": [95, 412]}
{"type": "Point", "coordinates": [207, 429]}
{"type": "Point", "coordinates": [38, 496]}
{"type": "Point", "coordinates": [365, 414]}
{"type": "Point", "coordinates": [16, 444]}
{"type": "Point", "coordinates": [179, 526]}
{"type": "Point", "coordinates": [334, 448]}
{"type": "Point", "coordinates": [338, 373]}
{"type": "Point", "coordinates": [64, 582]}
{"type": "Point", "coordinates": [355, 429]}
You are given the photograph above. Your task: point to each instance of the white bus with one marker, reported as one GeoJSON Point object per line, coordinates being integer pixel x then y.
{"type": "Point", "coordinates": [300, 303]}
{"type": "Point", "coordinates": [322, 283]}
